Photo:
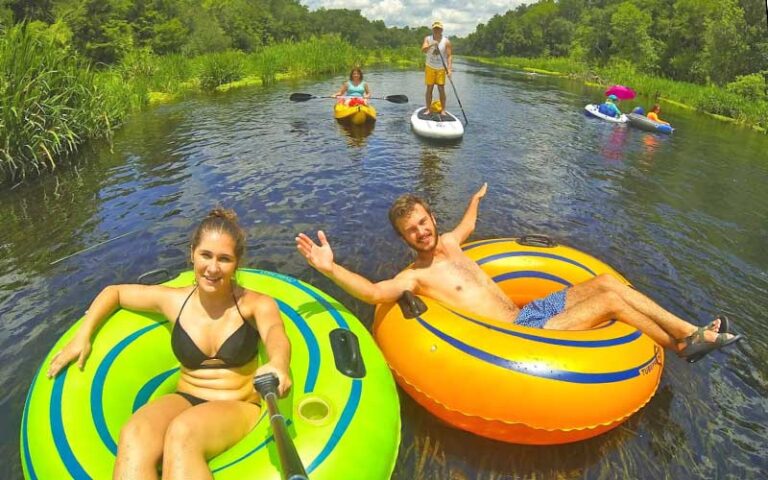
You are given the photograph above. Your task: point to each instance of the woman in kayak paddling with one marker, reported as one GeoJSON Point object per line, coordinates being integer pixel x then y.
{"type": "Point", "coordinates": [217, 327]}
{"type": "Point", "coordinates": [355, 91]}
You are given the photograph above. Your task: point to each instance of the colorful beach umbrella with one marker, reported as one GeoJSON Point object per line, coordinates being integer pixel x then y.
{"type": "Point", "coordinates": [624, 93]}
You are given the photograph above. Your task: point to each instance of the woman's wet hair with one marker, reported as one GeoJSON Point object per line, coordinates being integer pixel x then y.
{"type": "Point", "coordinates": [221, 220]}
{"type": "Point", "coordinates": [403, 206]}
{"type": "Point", "coordinates": [655, 107]}
{"type": "Point", "coordinates": [356, 69]}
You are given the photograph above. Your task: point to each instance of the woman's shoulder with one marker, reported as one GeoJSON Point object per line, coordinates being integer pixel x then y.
{"type": "Point", "coordinates": [256, 301]}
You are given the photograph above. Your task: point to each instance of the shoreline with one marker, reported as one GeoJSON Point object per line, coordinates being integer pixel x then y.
{"type": "Point", "coordinates": [97, 102]}
{"type": "Point", "coordinates": [587, 75]}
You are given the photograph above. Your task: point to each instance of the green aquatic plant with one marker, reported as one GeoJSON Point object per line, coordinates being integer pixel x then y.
{"type": "Point", "coordinates": [172, 73]}
{"type": "Point", "coordinates": [50, 102]}
{"type": "Point", "coordinates": [220, 68]}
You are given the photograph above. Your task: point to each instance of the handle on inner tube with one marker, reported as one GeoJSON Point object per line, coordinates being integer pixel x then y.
{"type": "Point", "coordinates": [346, 353]}
{"type": "Point", "coordinates": [536, 240]}
{"type": "Point", "coordinates": [166, 275]}
{"type": "Point", "coordinates": [411, 305]}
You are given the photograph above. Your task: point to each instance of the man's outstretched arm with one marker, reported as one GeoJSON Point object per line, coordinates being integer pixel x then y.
{"type": "Point", "coordinates": [320, 257]}
{"type": "Point", "coordinates": [467, 225]}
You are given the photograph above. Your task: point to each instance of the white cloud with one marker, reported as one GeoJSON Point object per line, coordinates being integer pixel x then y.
{"type": "Point", "coordinates": [460, 17]}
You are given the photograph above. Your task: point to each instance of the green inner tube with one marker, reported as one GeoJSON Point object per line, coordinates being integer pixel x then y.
{"type": "Point", "coordinates": [339, 417]}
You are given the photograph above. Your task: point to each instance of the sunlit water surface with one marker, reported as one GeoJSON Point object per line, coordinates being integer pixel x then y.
{"type": "Point", "coordinates": [684, 217]}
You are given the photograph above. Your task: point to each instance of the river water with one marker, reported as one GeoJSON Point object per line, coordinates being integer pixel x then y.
{"type": "Point", "coordinates": [684, 217]}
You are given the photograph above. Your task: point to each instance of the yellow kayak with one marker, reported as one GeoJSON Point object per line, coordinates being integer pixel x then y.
{"type": "Point", "coordinates": [356, 115]}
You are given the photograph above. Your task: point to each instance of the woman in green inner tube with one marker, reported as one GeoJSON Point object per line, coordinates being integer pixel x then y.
{"type": "Point", "coordinates": [216, 330]}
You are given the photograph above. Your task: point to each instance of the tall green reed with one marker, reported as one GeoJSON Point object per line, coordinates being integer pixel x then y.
{"type": "Point", "coordinates": [50, 102]}
{"type": "Point", "coordinates": [219, 68]}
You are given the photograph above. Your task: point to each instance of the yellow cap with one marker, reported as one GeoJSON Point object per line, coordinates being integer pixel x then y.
{"type": "Point", "coordinates": [437, 24]}
{"type": "Point", "coordinates": [435, 106]}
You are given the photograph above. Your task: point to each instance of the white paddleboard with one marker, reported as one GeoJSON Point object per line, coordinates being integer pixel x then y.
{"type": "Point", "coordinates": [432, 125]}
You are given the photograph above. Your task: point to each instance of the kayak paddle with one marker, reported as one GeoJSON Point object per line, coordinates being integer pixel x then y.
{"type": "Point", "coordinates": [466, 122]}
{"type": "Point", "coordinates": [303, 97]}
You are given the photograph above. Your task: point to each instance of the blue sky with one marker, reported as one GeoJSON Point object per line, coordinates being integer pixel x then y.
{"type": "Point", "coordinates": [459, 16]}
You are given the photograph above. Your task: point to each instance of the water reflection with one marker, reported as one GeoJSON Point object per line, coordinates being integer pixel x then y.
{"type": "Point", "coordinates": [651, 146]}
{"type": "Point", "coordinates": [356, 135]}
{"type": "Point", "coordinates": [684, 217]}
{"type": "Point", "coordinates": [613, 148]}
{"type": "Point", "coordinates": [438, 452]}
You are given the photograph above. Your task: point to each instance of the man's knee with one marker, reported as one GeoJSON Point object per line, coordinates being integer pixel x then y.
{"type": "Point", "coordinates": [607, 282]}
{"type": "Point", "coordinates": [610, 302]}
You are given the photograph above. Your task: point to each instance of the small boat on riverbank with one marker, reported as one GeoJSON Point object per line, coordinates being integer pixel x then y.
{"type": "Point", "coordinates": [343, 409]}
{"type": "Point", "coordinates": [439, 127]}
{"type": "Point", "coordinates": [354, 114]}
{"type": "Point", "coordinates": [644, 123]}
{"type": "Point", "coordinates": [594, 111]}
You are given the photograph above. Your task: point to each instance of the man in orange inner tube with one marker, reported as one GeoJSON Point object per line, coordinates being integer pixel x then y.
{"type": "Point", "coordinates": [445, 273]}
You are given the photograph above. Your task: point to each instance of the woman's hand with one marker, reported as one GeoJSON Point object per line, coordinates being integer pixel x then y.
{"type": "Point", "coordinates": [78, 348]}
{"type": "Point", "coordinates": [283, 377]}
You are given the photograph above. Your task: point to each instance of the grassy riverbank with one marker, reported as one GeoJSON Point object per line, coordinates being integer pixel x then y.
{"type": "Point", "coordinates": [52, 100]}
{"type": "Point", "coordinates": [744, 101]}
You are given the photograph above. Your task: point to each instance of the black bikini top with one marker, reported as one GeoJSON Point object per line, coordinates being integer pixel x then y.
{"type": "Point", "coordinates": [236, 351]}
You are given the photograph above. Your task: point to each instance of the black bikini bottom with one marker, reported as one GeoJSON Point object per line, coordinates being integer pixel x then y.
{"type": "Point", "coordinates": [197, 400]}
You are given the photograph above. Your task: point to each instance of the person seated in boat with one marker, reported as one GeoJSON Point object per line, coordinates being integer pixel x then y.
{"type": "Point", "coordinates": [355, 91]}
{"type": "Point", "coordinates": [654, 114]}
{"type": "Point", "coordinates": [445, 273]}
{"type": "Point", "coordinates": [609, 107]}
{"type": "Point", "coordinates": [217, 328]}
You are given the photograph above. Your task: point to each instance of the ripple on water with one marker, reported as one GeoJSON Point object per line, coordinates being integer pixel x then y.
{"type": "Point", "coordinates": [684, 217]}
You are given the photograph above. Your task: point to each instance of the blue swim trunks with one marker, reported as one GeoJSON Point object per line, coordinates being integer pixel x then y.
{"type": "Point", "coordinates": [538, 312]}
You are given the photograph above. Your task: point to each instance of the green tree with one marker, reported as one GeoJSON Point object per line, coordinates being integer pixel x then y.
{"type": "Point", "coordinates": [630, 38]}
{"type": "Point", "coordinates": [725, 49]}
{"type": "Point", "coordinates": [591, 41]}
{"type": "Point", "coordinates": [206, 35]}
{"type": "Point", "coordinates": [168, 37]}
{"type": "Point", "coordinates": [559, 36]}
{"type": "Point", "coordinates": [682, 58]}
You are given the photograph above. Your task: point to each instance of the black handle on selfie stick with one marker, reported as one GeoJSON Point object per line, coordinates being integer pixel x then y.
{"type": "Point", "coordinates": [290, 462]}
{"type": "Point", "coordinates": [466, 122]}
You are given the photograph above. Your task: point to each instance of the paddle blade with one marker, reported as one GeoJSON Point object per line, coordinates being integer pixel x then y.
{"type": "Point", "coordinates": [396, 98]}
{"type": "Point", "coordinates": [301, 97]}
